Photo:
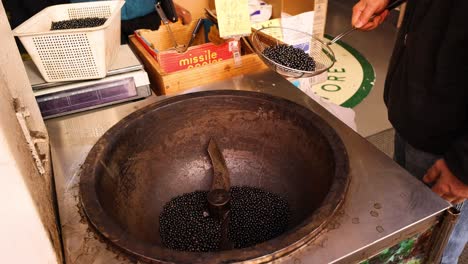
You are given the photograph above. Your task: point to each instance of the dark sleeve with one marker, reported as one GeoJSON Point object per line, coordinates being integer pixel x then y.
{"type": "Point", "coordinates": [21, 10]}
{"type": "Point", "coordinates": [150, 21]}
{"type": "Point", "coordinates": [457, 159]}
{"type": "Point", "coordinates": [454, 52]}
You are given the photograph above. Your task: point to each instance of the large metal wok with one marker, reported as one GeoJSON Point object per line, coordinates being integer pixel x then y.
{"type": "Point", "coordinates": [159, 152]}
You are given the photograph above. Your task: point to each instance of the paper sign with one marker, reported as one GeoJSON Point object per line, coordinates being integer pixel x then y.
{"type": "Point", "coordinates": [233, 18]}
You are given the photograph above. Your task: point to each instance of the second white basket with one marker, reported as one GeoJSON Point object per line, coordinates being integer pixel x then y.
{"type": "Point", "coordinates": [72, 54]}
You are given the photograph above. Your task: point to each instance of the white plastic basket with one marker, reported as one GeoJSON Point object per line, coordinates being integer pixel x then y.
{"type": "Point", "coordinates": [72, 54]}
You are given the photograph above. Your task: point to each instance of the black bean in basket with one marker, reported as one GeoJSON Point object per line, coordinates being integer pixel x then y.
{"type": "Point", "coordinates": [290, 56]}
{"type": "Point", "coordinates": [88, 22]}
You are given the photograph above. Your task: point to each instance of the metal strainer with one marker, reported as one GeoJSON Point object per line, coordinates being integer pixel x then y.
{"type": "Point", "coordinates": [272, 36]}
{"type": "Point", "coordinates": [319, 50]}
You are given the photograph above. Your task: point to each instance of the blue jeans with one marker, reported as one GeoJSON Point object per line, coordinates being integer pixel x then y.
{"type": "Point", "coordinates": [417, 162]}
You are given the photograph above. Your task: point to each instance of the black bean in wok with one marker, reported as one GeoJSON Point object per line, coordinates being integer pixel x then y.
{"type": "Point", "coordinates": [78, 23]}
{"type": "Point", "coordinates": [184, 224]}
{"type": "Point", "coordinates": [256, 216]}
{"type": "Point", "coordinates": [290, 56]}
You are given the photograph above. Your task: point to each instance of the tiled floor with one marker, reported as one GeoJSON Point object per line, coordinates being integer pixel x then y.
{"type": "Point", "coordinates": [376, 46]}
{"type": "Point", "coordinates": [464, 257]}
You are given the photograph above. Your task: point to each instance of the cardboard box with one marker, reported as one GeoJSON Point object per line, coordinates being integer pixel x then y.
{"type": "Point", "coordinates": [160, 44]}
{"type": "Point", "coordinates": [164, 83]}
{"type": "Point", "coordinates": [291, 7]}
{"type": "Point", "coordinates": [296, 7]}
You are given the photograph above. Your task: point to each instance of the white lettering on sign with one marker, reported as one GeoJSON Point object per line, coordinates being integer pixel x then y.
{"type": "Point", "coordinates": [331, 87]}
{"type": "Point", "coordinates": [333, 70]}
{"type": "Point", "coordinates": [336, 78]}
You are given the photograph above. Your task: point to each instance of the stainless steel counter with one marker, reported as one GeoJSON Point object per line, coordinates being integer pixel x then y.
{"type": "Point", "coordinates": [384, 203]}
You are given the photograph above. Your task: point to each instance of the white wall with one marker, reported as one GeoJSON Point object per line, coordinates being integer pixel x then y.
{"type": "Point", "coordinates": [28, 224]}
{"type": "Point", "coordinates": [23, 238]}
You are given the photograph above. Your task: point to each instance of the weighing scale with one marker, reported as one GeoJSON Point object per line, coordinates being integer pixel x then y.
{"type": "Point", "coordinates": [125, 81]}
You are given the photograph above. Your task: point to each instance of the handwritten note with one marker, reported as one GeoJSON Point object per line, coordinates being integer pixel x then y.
{"type": "Point", "coordinates": [233, 18]}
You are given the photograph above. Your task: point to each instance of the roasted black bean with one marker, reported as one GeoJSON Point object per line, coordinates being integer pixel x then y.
{"type": "Point", "coordinates": [256, 216]}
{"type": "Point", "coordinates": [290, 56]}
{"type": "Point", "coordinates": [78, 23]}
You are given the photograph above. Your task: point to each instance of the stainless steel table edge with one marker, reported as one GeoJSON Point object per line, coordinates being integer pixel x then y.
{"type": "Point", "coordinates": [403, 201]}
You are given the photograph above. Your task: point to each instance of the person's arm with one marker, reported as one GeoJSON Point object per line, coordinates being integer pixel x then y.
{"type": "Point", "coordinates": [365, 9]}
{"type": "Point", "coordinates": [184, 15]}
{"type": "Point", "coordinates": [21, 10]}
{"type": "Point", "coordinates": [137, 8]}
{"type": "Point", "coordinates": [450, 175]}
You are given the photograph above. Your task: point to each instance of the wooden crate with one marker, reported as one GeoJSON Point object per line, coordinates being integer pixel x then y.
{"type": "Point", "coordinates": [164, 83]}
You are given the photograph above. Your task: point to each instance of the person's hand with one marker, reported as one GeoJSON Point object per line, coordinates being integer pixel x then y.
{"type": "Point", "coordinates": [183, 14]}
{"type": "Point", "coordinates": [365, 9]}
{"type": "Point", "coordinates": [447, 185]}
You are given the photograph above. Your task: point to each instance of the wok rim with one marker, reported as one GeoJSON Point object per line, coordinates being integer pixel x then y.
{"type": "Point", "coordinates": [284, 244]}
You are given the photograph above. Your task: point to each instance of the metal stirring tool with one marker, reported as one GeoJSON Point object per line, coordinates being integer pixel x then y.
{"type": "Point", "coordinates": [179, 48]}
{"type": "Point", "coordinates": [219, 197]}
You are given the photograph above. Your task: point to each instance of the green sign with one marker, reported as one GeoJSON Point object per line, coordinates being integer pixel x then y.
{"type": "Point", "coordinates": [350, 80]}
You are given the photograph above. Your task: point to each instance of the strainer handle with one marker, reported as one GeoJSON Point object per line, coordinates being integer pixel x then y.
{"type": "Point", "coordinates": [341, 35]}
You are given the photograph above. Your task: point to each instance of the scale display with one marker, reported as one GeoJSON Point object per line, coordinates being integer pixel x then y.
{"type": "Point", "coordinates": [86, 97]}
